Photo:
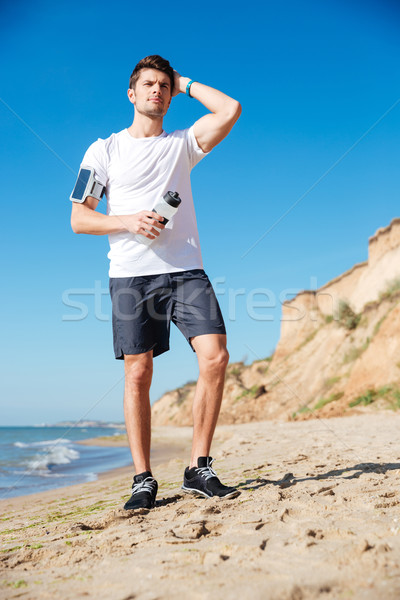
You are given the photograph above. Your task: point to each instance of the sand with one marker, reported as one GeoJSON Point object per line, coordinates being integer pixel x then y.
{"type": "Point", "coordinates": [318, 517]}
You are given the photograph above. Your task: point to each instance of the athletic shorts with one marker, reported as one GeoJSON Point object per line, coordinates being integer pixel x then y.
{"type": "Point", "coordinates": [143, 308]}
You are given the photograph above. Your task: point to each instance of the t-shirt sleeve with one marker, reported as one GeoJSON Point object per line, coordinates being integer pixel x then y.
{"type": "Point", "coordinates": [96, 158]}
{"type": "Point", "coordinates": [194, 150]}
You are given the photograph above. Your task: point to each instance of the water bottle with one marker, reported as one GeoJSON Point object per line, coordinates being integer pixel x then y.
{"type": "Point", "coordinates": [166, 207]}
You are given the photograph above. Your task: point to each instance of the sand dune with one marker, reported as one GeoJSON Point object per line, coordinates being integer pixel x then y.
{"type": "Point", "coordinates": [318, 517]}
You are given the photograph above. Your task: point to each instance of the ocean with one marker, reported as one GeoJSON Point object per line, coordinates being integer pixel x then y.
{"type": "Point", "coordinates": [34, 459]}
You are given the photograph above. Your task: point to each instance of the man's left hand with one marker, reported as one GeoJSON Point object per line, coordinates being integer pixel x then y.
{"type": "Point", "coordinates": [180, 84]}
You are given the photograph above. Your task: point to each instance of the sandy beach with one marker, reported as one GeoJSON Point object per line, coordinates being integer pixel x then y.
{"type": "Point", "coordinates": [318, 517]}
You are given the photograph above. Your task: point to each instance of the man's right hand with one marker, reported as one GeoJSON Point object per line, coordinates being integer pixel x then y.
{"type": "Point", "coordinates": [85, 219]}
{"type": "Point", "coordinates": [144, 223]}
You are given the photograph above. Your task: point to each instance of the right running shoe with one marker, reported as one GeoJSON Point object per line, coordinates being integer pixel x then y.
{"type": "Point", "coordinates": [144, 492]}
{"type": "Point", "coordinates": [203, 480]}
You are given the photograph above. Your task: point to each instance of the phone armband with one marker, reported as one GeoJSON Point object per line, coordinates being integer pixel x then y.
{"type": "Point", "coordinates": [87, 185]}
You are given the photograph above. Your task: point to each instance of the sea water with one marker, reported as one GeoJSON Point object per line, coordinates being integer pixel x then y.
{"type": "Point", "coordinates": [34, 459]}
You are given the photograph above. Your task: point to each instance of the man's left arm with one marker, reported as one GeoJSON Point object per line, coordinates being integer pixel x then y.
{"type": "Point", "coordinates": [211, 129]}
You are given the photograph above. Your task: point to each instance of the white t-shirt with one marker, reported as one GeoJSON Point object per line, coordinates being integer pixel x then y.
{"type": "Point", "coordinates": [137, 172]}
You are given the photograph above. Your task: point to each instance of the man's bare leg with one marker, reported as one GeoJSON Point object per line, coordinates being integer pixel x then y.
{"type": "Point", "coordinates": [200, 478]}
{"type": "Point", "coordinates": [213, 358]}
{"type": "Point", "coordinates": [138, 375]}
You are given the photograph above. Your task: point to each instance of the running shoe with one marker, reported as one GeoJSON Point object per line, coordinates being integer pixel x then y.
{"type": "Point", "coordinates": [144, 492]}
{"type": "Point", "coordinates": [203, 480]}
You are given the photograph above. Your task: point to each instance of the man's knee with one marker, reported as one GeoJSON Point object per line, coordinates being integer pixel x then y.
{"type": "Point", "coordinates": [138, 369]}
{"type": "Point", "coordinates": [223, 357]}
{"type": "Point", "coordinates": [216, 363]}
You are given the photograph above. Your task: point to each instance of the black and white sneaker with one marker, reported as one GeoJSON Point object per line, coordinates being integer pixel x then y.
{"type": "Point", "coordinates": [144, 492]}
{"type": "Point", "coordinates": [203, 480]}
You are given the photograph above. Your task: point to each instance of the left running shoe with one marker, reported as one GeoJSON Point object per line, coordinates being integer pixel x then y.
{"type": "Point", "coordinates": [144, 492]}
{"type": "Point", "coordinates": [203, 481]}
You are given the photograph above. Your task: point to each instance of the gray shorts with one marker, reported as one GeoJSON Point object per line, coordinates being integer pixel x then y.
{"type": "Point", "coordinates": [143, 308]}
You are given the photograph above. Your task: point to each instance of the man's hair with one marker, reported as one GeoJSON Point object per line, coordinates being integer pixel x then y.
{"type": "Point", "coordinates": [152, 62]}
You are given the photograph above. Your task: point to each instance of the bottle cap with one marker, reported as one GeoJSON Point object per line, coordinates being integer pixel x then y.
{"type": "Point", "coordinates": [172, 198]}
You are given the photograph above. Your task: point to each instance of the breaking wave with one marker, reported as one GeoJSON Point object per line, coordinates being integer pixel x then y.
{"type": "Point", "coordinates": [57, 455]}
{"type": "Point", "coordinates": [42, 444]}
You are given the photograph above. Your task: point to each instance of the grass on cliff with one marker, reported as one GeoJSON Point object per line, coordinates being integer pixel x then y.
{"type": "Point", "coordinates": [328, 383]}
{"type": "Point", "coordinates": [254, 392]}
{"type": "Point", "coordinates": [235, 369]}
{"type": "Point", "coordinates": [320, 404]}
{"type": "Point", "coordinates": [324, 401]}
{"type": "Point", "coordinates": [392, 288]}
{"type": "Point", "coordinates": [389, 393]}
{"type": "Point", "coordinates": [347, 317]}
{"type": "Point", "coordinates": [355, 352]}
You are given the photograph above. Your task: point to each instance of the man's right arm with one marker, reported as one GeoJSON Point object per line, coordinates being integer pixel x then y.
{"type": "Point", "coordinates": [85, 219]}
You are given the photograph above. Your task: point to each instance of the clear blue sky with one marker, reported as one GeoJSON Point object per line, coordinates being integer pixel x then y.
{"type": "Point", "coordinates": [312, 78]}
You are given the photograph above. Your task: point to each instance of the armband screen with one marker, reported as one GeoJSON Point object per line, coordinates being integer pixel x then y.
{"type": "Point", "coordinates": [81, 183]}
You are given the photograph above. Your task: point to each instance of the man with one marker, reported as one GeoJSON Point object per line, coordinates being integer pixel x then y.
{"type": "Point", "coordinates": [151, 285]}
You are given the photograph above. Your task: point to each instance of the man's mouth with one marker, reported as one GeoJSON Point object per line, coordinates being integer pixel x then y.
{"type": "Point", "coordinates": [156, 100]}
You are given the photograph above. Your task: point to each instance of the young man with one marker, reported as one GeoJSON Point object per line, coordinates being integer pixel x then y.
{"type": "Point", "coordinates": [151, 285]}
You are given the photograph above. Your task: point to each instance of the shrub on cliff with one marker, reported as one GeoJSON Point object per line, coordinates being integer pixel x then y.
{"type": "Point", "coordinates": [347, 317]}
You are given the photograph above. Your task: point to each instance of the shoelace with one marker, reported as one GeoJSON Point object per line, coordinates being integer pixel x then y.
{"type": "Point", "coordinates": [207, 472]}
{"type": "Point", "coordinates": [144, 486]}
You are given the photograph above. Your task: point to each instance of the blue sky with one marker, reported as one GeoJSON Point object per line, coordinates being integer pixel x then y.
{"type": "Point", "coordinates": [312, 78]}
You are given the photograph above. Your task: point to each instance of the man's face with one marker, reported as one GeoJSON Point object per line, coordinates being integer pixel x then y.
{"type": "Point", "coordinates": [152, 93]}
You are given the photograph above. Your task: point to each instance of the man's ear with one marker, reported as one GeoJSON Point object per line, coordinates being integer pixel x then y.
{"type": "Point", "coordinates": [131, 96]}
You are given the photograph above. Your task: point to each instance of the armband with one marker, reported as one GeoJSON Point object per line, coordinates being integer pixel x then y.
{"type": "Point", "coordinates": [87, 185]}
{"type": "Point", "coordinates": [189, 85]}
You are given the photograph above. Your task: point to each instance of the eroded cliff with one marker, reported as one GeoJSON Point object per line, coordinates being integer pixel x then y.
{"type": "Point", "coordinates": [339, 351]}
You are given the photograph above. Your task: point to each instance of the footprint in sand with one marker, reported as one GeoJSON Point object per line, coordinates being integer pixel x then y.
{"type": "Point", "coordinates": [108, 520]}
{"type": "Point", "coordinates": [191, 530]}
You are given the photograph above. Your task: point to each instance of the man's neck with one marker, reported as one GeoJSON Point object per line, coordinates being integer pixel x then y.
{"type": "Point", "coordinates": [143, 127]}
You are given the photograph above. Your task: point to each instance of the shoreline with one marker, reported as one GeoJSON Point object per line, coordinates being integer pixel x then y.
{"type": "Point", "coordinates": [166, 446]}
{"type": "Point", "coordinates": [318, 516]}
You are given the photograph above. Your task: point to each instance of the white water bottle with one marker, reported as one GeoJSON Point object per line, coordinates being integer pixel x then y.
{"type": "Point", "coordinates": [166, 207]}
